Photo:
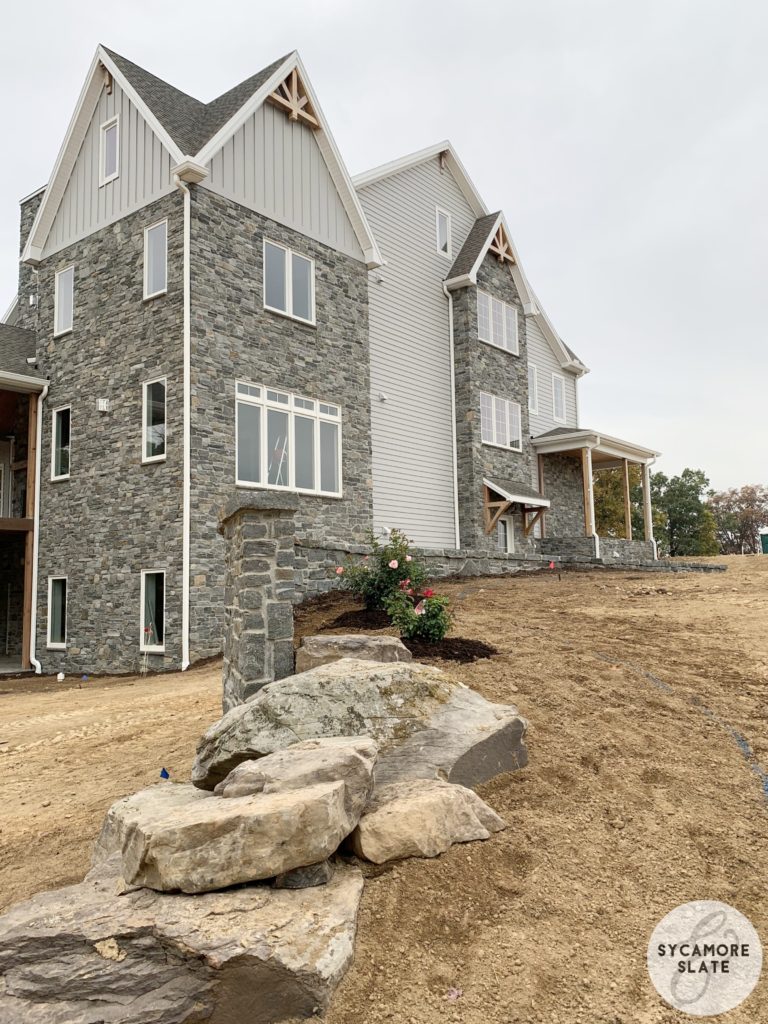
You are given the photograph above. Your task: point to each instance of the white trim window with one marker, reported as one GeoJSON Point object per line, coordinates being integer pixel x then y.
{"type": "Point", "coordinates": [64, 301]}
{"type": "Point", "coordinates": [61, 443]}
{"type": "Point", "coordinates": [57, 613]}
{"type": "Point", "coordinates": [505, 535]}
{"type": "Point", "coordinates": [109, 151]}
{"type": "Point", "coordinates": [558, 398]}
{"type": "Point", "coordinates": [500, 422]}
{"type": "Point", "coordinates": [153, 417]}
{"type": "Point", "coordinates": [289, 282]}
{"type": "Point", "coordinates": [152, 637]}
{"type": "Point", "coordinates": [443, 232]}
{"type": "Point", "coordinates": [156, 259]}
{"type": "Point", "coordinates": [533, 389]}
{"type": "Point", "coordinates": [286, 442]}
{"type": "Point", "coordinates": [497, 323]}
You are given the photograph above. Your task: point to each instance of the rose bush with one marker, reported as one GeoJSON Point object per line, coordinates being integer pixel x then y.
{"type": "Point", "coordinates": [378, 576]}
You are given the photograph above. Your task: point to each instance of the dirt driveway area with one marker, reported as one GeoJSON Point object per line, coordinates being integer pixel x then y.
{"type": "Point", "coordinates": [647, 696]}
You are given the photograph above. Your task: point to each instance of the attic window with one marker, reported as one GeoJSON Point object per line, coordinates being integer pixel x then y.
{"type": "Point", "coordinates": [110, 151]}
{"type": "Point", "coordinates": [291, 96]}
{"type": "Point", "coordinates": [443, 229]}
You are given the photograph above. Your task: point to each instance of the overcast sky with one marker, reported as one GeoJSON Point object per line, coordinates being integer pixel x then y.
{"type": "Point", "coordinates": [626, 142]}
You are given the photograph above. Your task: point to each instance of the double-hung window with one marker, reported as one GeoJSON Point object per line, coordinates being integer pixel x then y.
{"type": "Point", "coordinates": [152, 639]}
{"type": "Point", "coordinates": [60, 443]}
{"type": "Point", "coordinates": [156, 259]}
{"type": "Point", "coordinates": [109, 156]}
{"type": "Point", "coordinates": [558, 398]}
{"type": "Point", "coordinates": [289, 282]}
{"type": "Point", "coordinates": [500, 422]}
{"type": "Point", "coordinates": [443, 232]}
{"type": "Point", "coordinates": [533, 389]}
{"type": "Point", "coordinates": [505, 535]}
{"type": "Point", "coordinates": [57, 612]}
{"type": "Point", "coordinates": [497, 322]}
{"type": "Point", "coordinates": [64, 301]}
{"type": "Point", "coordinates": [154, 418]}
{"type": "Point", "coordinates": [286, 441]}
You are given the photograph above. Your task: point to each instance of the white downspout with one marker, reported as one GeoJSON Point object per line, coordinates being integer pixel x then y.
{"type": "Point", "coordinates": [36, 534]}
{"type": "Point", "coordinates": [591, 498]}
{"type": "Point", "coordinates": [453, 420]}
{"type": "Point", "coordinates": [187, 388]}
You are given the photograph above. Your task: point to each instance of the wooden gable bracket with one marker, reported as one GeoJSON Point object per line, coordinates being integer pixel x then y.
{"type": "Point", "coordinates": [492, 510]}
{"type": "Point", "coordinates": [500, 246]}
{"type": "Point", "coordinates": [291, 96]}
{"type": "Point", "coordinates": [528, 525]}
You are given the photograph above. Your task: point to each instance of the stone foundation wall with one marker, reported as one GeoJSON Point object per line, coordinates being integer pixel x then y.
{"type": "Point", "coordinates": [568, 547]}
{"type": "Point", "coordinates": [616, 549]}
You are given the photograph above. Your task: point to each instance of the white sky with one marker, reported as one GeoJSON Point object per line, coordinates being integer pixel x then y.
{"type": "Point", "coordinates": [627, 144]}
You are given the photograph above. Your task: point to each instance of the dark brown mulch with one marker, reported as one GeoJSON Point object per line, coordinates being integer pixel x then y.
{"type": "Point", "coordinates": [452, 648]}
{"type": "Point", "coordinates": [361, 618]}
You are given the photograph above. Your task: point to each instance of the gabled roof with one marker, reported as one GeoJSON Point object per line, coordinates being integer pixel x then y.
{"type": "Point", "coordinates": [562, 439]}
{"type": "Point", "coordinates": [16, 346]}
{"type": "Point", "coordinates": [404, 163]}
{"type": "Point", "coordinates": [514, 490]}
{"type": "Point", "coordinates": [475, 245]}
{"type": "Point", "coordinates": [192, 132]}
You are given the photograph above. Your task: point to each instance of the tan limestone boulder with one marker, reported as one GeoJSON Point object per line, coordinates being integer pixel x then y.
{"type": "Point", "coordinates": [322, 650]}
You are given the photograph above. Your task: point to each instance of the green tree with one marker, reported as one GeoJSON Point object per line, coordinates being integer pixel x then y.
{"type": "Point", "coordinates": [739, 515]}
{"type": "Point", "coordinates": [687, 525]}
{"type": "Point", "coordinates": [608, 489]}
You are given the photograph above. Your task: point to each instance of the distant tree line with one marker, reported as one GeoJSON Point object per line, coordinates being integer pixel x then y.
{"type": "Point", "coordinates": [688, 517]}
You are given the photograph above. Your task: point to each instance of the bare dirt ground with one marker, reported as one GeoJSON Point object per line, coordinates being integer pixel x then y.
{"type": "Point", "coordinates": [647, 696]}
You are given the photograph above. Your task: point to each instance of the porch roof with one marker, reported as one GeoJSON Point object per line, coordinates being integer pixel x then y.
{"type": "Point", "coordinates": [513, 490]}
{"type": "Point", "coordinates": [16, 346]}
{"type": "Point", "coordinates": [606, 449]}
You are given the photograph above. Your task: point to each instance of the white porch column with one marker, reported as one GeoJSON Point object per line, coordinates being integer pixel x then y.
{"type": "Point", "coordinates": [647, 510]}
{"type": "Point", "coordinates": [589, 492]}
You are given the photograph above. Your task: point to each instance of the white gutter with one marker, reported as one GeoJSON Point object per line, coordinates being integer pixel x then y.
{"type": "Point", "coordinates": [455, 459]}
{"type": "Point", "coordinates": [36, 532]}
{"type": "Point", "coordinates": [187, 388]}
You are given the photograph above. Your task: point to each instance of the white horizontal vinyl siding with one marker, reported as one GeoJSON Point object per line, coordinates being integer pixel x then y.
{"type": "Point", "coordinates": [542, 357]}
{"type": "Point", "coordinates": [274, 166]}
{"type": "Point", "coordinates": [410, 358]}
{"type": "Point", "coordinates": [144, 174]}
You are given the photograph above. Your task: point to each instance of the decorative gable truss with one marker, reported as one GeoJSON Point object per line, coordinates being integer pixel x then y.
{"type": "Point", "coordinates": [501, 246]}
{"type": "Point", "coordinates": [291, 96]}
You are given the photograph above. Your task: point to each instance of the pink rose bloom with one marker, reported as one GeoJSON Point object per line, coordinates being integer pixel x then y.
{"type": "Point", "coordinates": [339, 570]}
{"type": "Point", "coordinates": [420, 609]}
{"type": "Point", "coordinates": [393, 564]}
{"type": "Point", "coordinates": [408, 558]}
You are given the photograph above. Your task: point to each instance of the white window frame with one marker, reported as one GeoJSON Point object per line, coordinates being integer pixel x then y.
{"type": "Point", "coordinates": [148, 459]}
{"type": "Point", "coordinates": [558, 419]}
{"type": "Point", "coordinates": [533, 393]}
{"type": "Point", "coordinates": [510, 525]}
{"type": "Point", "coordinates": [64, 330]}
{"type": "Point", "coordinates": [293, 410]}
{"type": "Point", "coordinates": [152, 648]}
{"type": "Point", "coordinates": [50, 644]}
{"type": "Point", "coordinates": [288, 264]}
{"type": "Point", "coordinates": [54, 413]}
{"type": "Point", "coordinates": [507, 403]}
{"type": "Point", "coordinates": [439, 212]}
{"type": "Point", "coordinates": [104, 179]}
{"type": "Point", "coordinates": [511, 347]}
{"type": "Point", "coordinates": [147, 229]}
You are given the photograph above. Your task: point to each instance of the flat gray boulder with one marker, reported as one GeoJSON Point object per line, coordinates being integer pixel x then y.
{"type": "Point", "coordinates": [322, 650]}
{"type": "Point", "coordinates": [425, 725]}
{"type": "Point", "coordinates": [84, 955]}
{"type": "Point", "coordinates": [421, 818]}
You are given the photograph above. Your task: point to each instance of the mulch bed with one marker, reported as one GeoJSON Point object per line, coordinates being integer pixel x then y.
{"type": "Point", "coordinates": [361, 619]}
{"type": "Point", "coordinates": [452, 648]}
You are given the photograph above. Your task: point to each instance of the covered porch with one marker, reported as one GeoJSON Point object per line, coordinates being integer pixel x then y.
{"type": "Point", "coordinates": [568, 461]}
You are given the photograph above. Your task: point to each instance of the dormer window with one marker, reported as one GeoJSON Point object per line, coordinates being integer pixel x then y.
{"type": "Point", "coordinates": [443, 229]}
{"type": "Point", "coordinates": [110, 151]}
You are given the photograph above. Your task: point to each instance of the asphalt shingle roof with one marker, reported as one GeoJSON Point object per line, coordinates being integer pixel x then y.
{"type": "Point", "coordinates": [520, 490]}
{"type": "Point", "coordinates": [189, 122]}
{"type": "Point", "coordinates": [16, 344]}
{"type": "Point", "coordinates": [475, 242]}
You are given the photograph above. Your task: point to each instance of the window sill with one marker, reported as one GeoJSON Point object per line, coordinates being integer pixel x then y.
{"type": "Point", "coordinates": [502, 447]}
{"type": "Point", "coordinates": [501, 348]}
{"type": "Point", "coordinates": [290, 316]}
{"type": "Point", "coordinates": [152, 650]}
{"type": "Point", "coordinates": [155, 295]}
{"type": "Point", "coordinates": [338, 495]}
{"type": "Point", "coordinates": [56, 647]}
{"type": "Point", "coordinates": [562, 421]}
{"type": "Point", "coordinates": [111, 178]}
{"type": "Point", "coordinates": [61, 334]}
{"type": "Point", "coordinates": [59, 479]}
{"type": "Point", "coordinates": [153, 460]}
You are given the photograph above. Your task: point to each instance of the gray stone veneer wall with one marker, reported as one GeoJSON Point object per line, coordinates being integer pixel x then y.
{"type": "Point", "coordinates": [482, 367]}
{"type": "Point", "coordinates": [26, 314]}
{"type": "Point", "coordinates": [617, 549]}
{"type": "Point", "coordinates": [235, 338]}
{"type": "Point", "coordinates": [258, 528]}
{"type": "Point", "coordinates": [114, 516]}
{"type": "Point", "coordinates": [563, 485]}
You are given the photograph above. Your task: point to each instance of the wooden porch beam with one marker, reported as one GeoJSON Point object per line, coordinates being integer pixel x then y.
{"type": "Point", "coordinates": [529, 525]}
{"type": "Point", "coordinates": [589, 496]}
{"type": "Point", "coordinates": [492, 510]}
{"type": "Point", "coordinates": [647, 510]}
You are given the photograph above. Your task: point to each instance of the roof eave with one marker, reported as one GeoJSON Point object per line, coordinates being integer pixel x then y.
{"type": "Point", "coordinates": [21, 382]}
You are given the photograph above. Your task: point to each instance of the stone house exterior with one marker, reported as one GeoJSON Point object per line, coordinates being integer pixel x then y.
{"type": "Point", "coordinates": [204, 308]}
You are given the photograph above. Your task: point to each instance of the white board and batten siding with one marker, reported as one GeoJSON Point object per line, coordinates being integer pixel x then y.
{"type": "Point", "coordinates": [144, 174]}
{"type": "Point", "coordinates": [274, 166]}
{"type": "Point", "coordinates": [410, 352]}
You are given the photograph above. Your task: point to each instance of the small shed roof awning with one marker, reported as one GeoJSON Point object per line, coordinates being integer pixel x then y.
{"type": "Point", "coordinates": [16, 347]}
{"type": "Point", "coordinates": [512, 490]}
{"type": "Point", "coordinates": [605, 448]}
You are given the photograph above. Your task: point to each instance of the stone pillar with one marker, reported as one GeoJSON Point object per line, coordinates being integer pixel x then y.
{"type": "Point", "coordinates": [259, 586]}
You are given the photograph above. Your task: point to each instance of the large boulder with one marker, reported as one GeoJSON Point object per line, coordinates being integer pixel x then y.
{"type": "Point", "coordinates": [322, 650]}
{"type": "Point", "coordinates": [421, 818]}
{"type": "Point", "coordinates": [425, 725]}
{"type": "Point", "coordinates": [84, 955]}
